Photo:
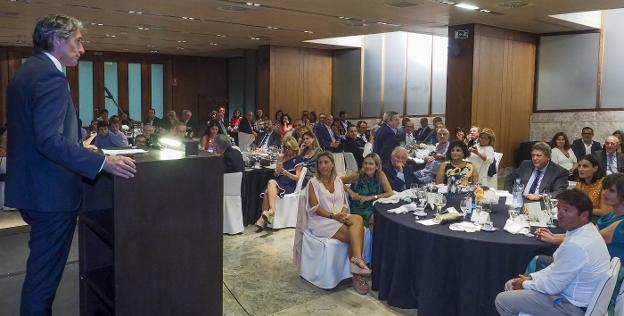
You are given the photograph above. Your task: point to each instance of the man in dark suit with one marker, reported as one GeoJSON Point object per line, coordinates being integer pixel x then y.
{"type": "Point", "coordinates": [423, 131]}
{"type": "Point", "coordinates": [362, 129]}
{"type": "Point", "coordinates": [586, 144]}
{"type": "Point", "coordinates": [538, 175]}
{"type": "Point", "coordinates": [267, 138]}
{"type": "Point", "coordinates": [407, 136]}
{"type": "Point", "coordinates": [344, 123]}
{"type": "Point", "coordinates": [232, 157]}
{"type": "Point", "coordinates": [386, 139]}
{"type": "Point", "coordinates": [46, 160]}
{"type": "Point", "coordinates": [327, 138]}
{"type": "Point", "coordinates": [152, 119]}
{"type": "Point", "coordinates": [246, 124]}
{"type": "Point", "coordinates": [609, 159]}
{"type": "Point", "coordinates": [400, 175]}
{"type": "Point", "coordinates": [191, 127]}
{"type": "Point", "coordinates": [353, 144]}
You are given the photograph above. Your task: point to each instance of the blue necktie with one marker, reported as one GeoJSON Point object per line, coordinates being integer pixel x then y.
{"type": "Point", "coordinates": [538, 175]}
{"type": "Point", "coordinates": [612, 164]}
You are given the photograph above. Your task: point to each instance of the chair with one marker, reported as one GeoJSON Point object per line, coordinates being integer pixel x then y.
{"type": "Point", "coordinates": [324, 261]}
{"type": "Point", "coordinates": [619, 302]}
{"type": "Point", "coordinates": [601, 298]}
{"type": "Point", "coordinates": [498, 157]}
{"type": "Point", "coordinates": [245, 139]}
{"type": "Point", "coordinates": [232, 203]}
{"type": "Point", "coordinates": [339, 162]}
{"type": "Point", "coordinates": [286, 208]}
{"type": "Point", "coordinates": [350, 162]}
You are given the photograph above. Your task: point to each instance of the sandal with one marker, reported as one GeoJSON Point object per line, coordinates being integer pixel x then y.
{"type": "Point", "coordinates": [268, 216]}
{"type": "Point", "coordinates": [359, 285]}
{"type": "Point", "coordinates": [260, 224]}
{"type": "Point", "coordinates": [355, 266]}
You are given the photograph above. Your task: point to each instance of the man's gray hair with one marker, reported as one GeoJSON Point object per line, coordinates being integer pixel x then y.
{"type": "Point", "coordinates": [53, 26]}
{"type": "Point", "coordinates": [223, 141]}
{"type": "Point", "coordinates": [388, 115]}
{"type": "Point", "coordinates": [543, 147]}
{"type": "Point", "coordinates": [397, 150]}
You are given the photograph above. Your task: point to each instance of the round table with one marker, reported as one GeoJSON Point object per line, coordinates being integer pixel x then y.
{"type": "Point", "coordinates": [254, 183]}
{"type": "Point", "coordinates": [445, 272]}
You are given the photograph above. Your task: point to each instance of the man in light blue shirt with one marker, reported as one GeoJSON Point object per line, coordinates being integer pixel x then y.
{"type": "Point", "coordinates": [581, 262]}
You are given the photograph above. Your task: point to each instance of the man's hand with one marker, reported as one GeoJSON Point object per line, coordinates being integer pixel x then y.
{"type": "Point", "coordinates": [533, 197]}
{"type": "Point", "coordinates": [120, 166]}
{"type": "Point", "coordinates": [516, 284]}
{"type": "Point", "coordinates": [334, 145]}
{"type": "Point", "coordinates": [545, 234]}
{"type": "Point", "coordinates": [429, 159]}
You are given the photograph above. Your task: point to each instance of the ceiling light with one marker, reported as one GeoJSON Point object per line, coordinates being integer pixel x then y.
{"type": "Point", "coordinates": [180, 48]}
{"type": "Point", "coordinates": [382, 23]}
{"type": "Point", "coordinates": [255, 38]}
{"type": "Point", "coordinates": [344, 18]}
{"type": "Point", "coordinates": [309, 32]}
{"type": "Point", "coordinates": [253, 4]}
{"type": "Point", "coordinates": [214, 44]}
{"type": "Point", "coordinates": [272, 28]}
{"type": "Point", "coordinates": [221, 35]}
{"type": "Point", "coordinates": [485, 11]}
{"type": "Point", "coordinates": [181, 41]}
{"type": "Point", "coordinates": [111, 35]}
{"type": "Point", "coordinates": [153, 51]}
{"type": "Point", "coordinates": [467, 6]}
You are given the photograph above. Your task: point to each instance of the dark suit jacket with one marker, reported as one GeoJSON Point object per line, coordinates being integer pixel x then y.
{"type": "Point", "coordinates": [579, 148]}
{"type": "Point", "coordinates": [401, 135]}
{"type": "Point", "coordinates": [46, 160]}
{"type": "Point", "coordinates": [356, 147]}
{"type": "Point", "coordinates": [324, 137]}
{"type": "Point", "coordinates": [274, 139]}
{"type": "Point", "coordinates": [601, 156]}
{"type": "Point", "coordinates": [554, 180]}
{"type": "Point", "coordinates": [385, 142]}
{"type": "Point", "coordinates": [396, 183]}
{"type": "Point", "coordinates": [422, 133]}
{"type": "Point", "coordinates": [245, 126]}
{"type": "Point", "coordinates": [156, 122]}
{"type": "Point", "coordinates": [233, 160]}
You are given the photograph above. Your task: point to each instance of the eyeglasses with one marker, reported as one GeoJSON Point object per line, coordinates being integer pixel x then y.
{"type": "Point", "coordinates": [587, 133]}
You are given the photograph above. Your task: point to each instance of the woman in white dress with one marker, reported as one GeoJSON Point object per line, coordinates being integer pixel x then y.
{"type": "Point", "coordinates": [328, 217]}
{"type": "Point", "coordinates": [482, 156]}
{"type": "Point", "coordinates": [562, 154]}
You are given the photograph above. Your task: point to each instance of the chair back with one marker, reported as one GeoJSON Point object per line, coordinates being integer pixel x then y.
{"type": "Point", "coordinates": [350, 162]}
{"type": "Point", "coordinates": [232, 183]}
{"type": "Point", "coordinates": [304, 170]}
{"type": "Point", "coordinates": [601, 298]}
{"type": "Point", "coordinates": [245, 139]}
{"type": "Point", "coordinates": [498, 157]}
{"type": "Point", "coordinates": [339, 162]}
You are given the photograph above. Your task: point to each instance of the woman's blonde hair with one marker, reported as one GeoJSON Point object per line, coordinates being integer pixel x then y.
{"type": "Point", "coordinates": [378, 166]}
{"type": "Point", "coordinates": [315, 144]}
{"type": "Point", "coordinates": [331, 158]}
{"type": "Point", "coordinates": [291, 143]}
{"type": "Point", "coordinates": [490, 134]}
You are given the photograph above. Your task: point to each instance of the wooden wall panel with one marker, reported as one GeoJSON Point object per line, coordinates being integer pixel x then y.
{"type": "Point", "coordinates": [317, 81]}
{"type": "Point", "coordinates": [123, 98]}
{"type": "Point", "coordinates": [286, 80]}
{"type": "Point", "coordinates": [4, 82]}
{"type": "Point", "coordinates": [146, 88]}
{"type": "Point", "coordinates": [459, 78]}
{"type": "Point", "coordinates": [263, 80]}
{"type": "Point", "coordinates": [488, 82]}
{"type": "Point", "coordinates": [72, 78]}
{"type": "Point", "coordinates": [98, 88]}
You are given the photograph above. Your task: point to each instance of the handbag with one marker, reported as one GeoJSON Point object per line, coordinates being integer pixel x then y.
{"type": "Point", "coordinates": [492, 168]}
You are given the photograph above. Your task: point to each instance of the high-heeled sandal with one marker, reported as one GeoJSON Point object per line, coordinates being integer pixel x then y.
{"type": "Point", "coordinates": [355, 266]}
{"type": "Point", "coordinates": [268, 215]}
{"type": "Point", "coordinates": [360, 285]}
{"type": "Point", "coordinates": [260, 224]}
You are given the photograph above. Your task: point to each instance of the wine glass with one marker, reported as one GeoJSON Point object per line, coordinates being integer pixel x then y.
{"type": "Point", "coordinates": [422, 197]}
{"type": "Point", "coordinates": [465, 204]}
{"type": "Point", "coordinates": [440, 202]}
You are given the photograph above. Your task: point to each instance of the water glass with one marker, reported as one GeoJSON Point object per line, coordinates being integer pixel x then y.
{"type": "Point", "coordinates": [440, 202]}
{"type": "Point", "coordinates": [465, 204]}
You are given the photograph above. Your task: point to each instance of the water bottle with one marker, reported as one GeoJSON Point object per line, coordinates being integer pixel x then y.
{"type": "Point", "coordinates": [450, 185]}
{"type": "Point", "coordinates": [517, 191]}
{"type": "Point", "coordinates": [472, 206]}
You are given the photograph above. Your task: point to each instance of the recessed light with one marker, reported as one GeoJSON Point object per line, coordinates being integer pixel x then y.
{"type": "Point", "coordinates": [485, 11]}
{"type": "Point", "coordinates": [153, 51]}
{"type": "Point", "coordinates": [344, 18]}
{"type": "Point", "coordinates": [255, 38]}
{"type": "Point", "coordinates": [180, 48]}
{"type": "Point", "coordinates": [221, 35]}
{"type": "Point", "coordinates": [382, 23]}
{"type": "Point", "coordinates": [309, 32]}
{"type": "Point", "coordinates": [214, 44]}
{"type": "Point", "coordinates": [181, 41]}
{"type": "Point", "coordinates": [253, 4]}
{"type": "Point", "coordinates": [467, 6]}
{"type": "Point", "coordinates": [272, 28]}
{"type": "Point", "coordinates": [111, 35]}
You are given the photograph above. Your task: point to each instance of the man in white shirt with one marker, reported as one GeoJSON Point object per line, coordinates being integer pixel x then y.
{"type": "Point", "coordinates": [567, 285]}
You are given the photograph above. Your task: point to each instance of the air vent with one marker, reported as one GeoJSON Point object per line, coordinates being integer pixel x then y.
{"type": "Point", "coordinates": [514, 4]}
{"type": "Point", "coordinates": [402, 4]}
{"type": "Point", "coordinates": [232, 8]}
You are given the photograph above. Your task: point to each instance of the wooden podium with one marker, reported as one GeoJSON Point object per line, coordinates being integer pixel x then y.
{"type": "Point", "coordinates": [153, 245]}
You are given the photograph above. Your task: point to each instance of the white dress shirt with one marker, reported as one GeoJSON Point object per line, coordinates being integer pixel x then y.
{"type": "Point", "coordinates": [588, 148]}
{"type": "Point", "coordinates": [580, 263]}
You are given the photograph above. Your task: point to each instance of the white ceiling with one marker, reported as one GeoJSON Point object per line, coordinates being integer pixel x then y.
{"type": "Point", "coordinates": [218, 26]}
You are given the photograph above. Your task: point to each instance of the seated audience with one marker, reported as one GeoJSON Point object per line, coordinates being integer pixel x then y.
{"type": "Point", "coordinates": [610, 159]}
{"type": "Point", "coordinates": [328, 217]}
{"type": "Point", "coordinates": [456, 165]}
{"type": "Point", "coordinates": [437, 124]}
{"type": "Point", "coordinates": [152, 119]}
{"type": "Point", "coordinates": [207, 141]}
{"type": "Point", "coordinates": [407, 137]}
{"type": "Point", "coordinates": [353, 144]}
{"type": "Point", "coordinates": [344, 123]}
{"type": "Point", "coordinates": [235, 118]}
{"type": "Point", "coordinates": [169, 122]}
{"type": "Point", "coordinates": [337, 129]}
{"type": "Point", "coordinates": [386, 139]}
{"type": "Point", "coordinates": [620, 135]}
{"type": "Point", "coordinates": [305, 117]}
{"type": "Point", "coordinates": [538, 175]}
{"type": "Point", "coordinates": [232, 157]}
{"type": "Point", "coordinates": [327, 138]}
{"type": "Point", "coordinates": [92, 128]}
{"type": "Point", "coordinates": [399, 173]}
{"type": "Point", "coordinates": [435, 158]}
{"type": "Point", "coordinates": [278, 116]}
{"type": "Point", "coordinates": [191, 127]}
{"type": "Point", "coordinates": [150, 137]}
{"type": "Point", "coordinates": [473, 136]}
{"type": "Point", "coordinates": [566, 286]}
{"type": "Point", "coordinates": [220, 119]}
{"type": "Point", "coordinates": [362, 131]}
{"type": "Point", "coordinates": [423, 132]}
{"type": "Point", "coordinates": [404, 121]}
{"type": "Point", "coordinates": [259, 118]}
{"type": "Point", "coordinates": [104, 138]}
{"type": "Point", "coordinates": [140, 141]}
{"type": "Point", "coordinates": [287, 173]}
{"type": "Point", "coordinates": [103, 115]}
{"type": "Point", "coordinates": [222, 116]}
{"type": "Point", "coordinates": [312, 118]}
{"type": "Point", "coordinates": [309, 152]}
{"type": "Point", "coordinates": [368, 147]}
{"type": "Point", "coordinates": [246, 124]}
{"type": "Point", "coordinates": [367, 185]}
{"type": "Point", "coordinates": [562, 154]}
{"type": "Point", "coordinates": [482, 156]}
{"type": "Point", "coordinates": [590, 181]}
{"type": "Point", "coordinates": [585, 145]}
{"type": "Point", "coordinates": [125, 119]}
{"type": "Point", "coordinates": [460, 134]}
{"type": "Point", "coordinates": [268, 138]}
{"type": "Point", "coordinates": [297, 129]}
{"type": "Point", "coordinates": [114, 130]}
{"type": "Point", "coordinates": [284, 125]}
{"type": "Point", "coordinates": [212, 116]}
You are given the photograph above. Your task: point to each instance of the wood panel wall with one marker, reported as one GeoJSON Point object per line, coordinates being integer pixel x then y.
{"type": "Point", "coordinates": [298, 79]}
{"type": "Point", "coordinates": [498, 75]}
{"type": "Point", "coordinates": [188, 81]}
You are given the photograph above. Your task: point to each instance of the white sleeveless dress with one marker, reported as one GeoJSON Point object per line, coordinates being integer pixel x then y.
{"type": "Point", "coordinates": [322, 226]}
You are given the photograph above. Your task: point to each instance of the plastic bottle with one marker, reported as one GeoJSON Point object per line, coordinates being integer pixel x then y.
{"type": "Point", "coordinates": [516, 192]}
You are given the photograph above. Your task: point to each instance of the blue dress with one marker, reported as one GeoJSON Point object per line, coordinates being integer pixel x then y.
{"type": "Point", "coordinates": [286, 184]}
{"type": "Point", "coordinates": [616, 248]}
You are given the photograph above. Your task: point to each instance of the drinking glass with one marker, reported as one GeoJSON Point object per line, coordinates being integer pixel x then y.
{"type": "Point", "coordinates": [422, 197]}
{"type": "Point", "coordinates": [465, 204]}
{"type": "Point", "coordinates": [440, 202]}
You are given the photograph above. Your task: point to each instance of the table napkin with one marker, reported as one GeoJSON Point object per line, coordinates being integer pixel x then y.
{"type": "Point", "coordinates": [515, 227]}
{"type": "Point", "coordinates": [403, 209]}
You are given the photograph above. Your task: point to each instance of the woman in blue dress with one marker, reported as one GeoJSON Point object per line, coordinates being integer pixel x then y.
{"type": "Point", "coordinates": [287, 173]}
